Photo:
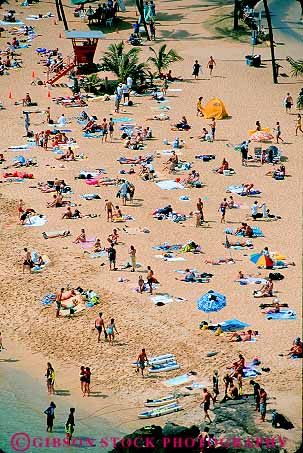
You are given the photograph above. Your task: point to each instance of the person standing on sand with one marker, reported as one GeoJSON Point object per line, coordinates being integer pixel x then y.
{"type": "Point", "coordinates": [299, 124]}
{"type": "Point", "coordinates": [82, 378]}
{"type": "Point", "coordinates": [27, 122]}
{"type": "Point", "coordinates": [288, 102]}
{"type": "Point", "coordinates": [256, 394]}
{"type": "Point", "coordinates": [222, 209]}
{"type": "Point", "coordinates": [213, 128]}
{"type": "Point", "coordinates": [70, 425]}
{"type": "Point", "coordinates": [207, 396]}
{"type": "Point", "coordinates": [87, 381]}
{"type": "Point", "coordinates": [277, 131]}
{"type": "Point", "coordinates": [50, 378]}
{"type": "Point", "coordinates": [211, 63]}
{"type": "Point", "coordinates": [50, 415]}
{"type": "Point", "coordinates": [141, 360]}
{"type": "Point", "coordinates": [59, 301]}
{"type": "Point", "coordinates": [109, 210]}
{"type": "Point", "coordinates": [196, 69]}
{"type": "Point", "coordinates": [200, 209]}
{"type": "Point", "coordinates": [227, 381]}
{"type": "Point", "coordinates": [132, 253]}
{"type": "Point", "coordinates": [112, 257]}
{"type": "Point", "coordinates": [263, 404]}
{"type": "Point", "coordinates": [111, 129]}
{"type": "Point", "coordinates": [99, 324]}
{"type": "Point", "coordinates": [111, 329]}
{"type": "Point", "coordinates": [199, 106]}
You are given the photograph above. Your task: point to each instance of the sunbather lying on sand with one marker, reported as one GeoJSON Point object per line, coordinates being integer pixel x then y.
{"type": "Point", "coordinates": [56, 234]}
{"type": "Point", "coordinates": [247, 243]}
{"type": "Point", "coordinates": [242, 336]}
{"type": "Point", "coordinates": [274, 309]}
{"type": "Point", "coordinates": [161, 117]}
{"type": "Point", "coordinates": [221, 261]}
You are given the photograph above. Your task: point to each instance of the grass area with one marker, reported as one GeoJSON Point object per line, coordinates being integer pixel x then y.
{"type": "Point", "coordinates": [221, 26]}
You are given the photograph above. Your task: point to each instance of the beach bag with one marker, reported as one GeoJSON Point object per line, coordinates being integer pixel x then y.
{"type": "Point", "coordinates": [276, 276]}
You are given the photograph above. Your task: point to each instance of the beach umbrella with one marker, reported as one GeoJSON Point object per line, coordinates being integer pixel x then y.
{"type": "Point", "coordinates": [261, 260]}
{"type": "Point", "coordinates": [211, 302]}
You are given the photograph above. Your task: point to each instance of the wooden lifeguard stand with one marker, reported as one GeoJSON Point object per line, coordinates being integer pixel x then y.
{"type": "Point", "coordinates": [84, 45]}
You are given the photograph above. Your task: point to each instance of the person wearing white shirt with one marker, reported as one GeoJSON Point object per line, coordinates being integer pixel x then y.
{"type": "Point", "coordinates": [125, 92]}
{"type": "Point", "coordinates": [129, 82]}
{"type": "Point", "coordinates": [119, 90]}
{"type": "Point", "coordinates": [255, 211]}
{"type": "Point", "coordinates": [62, 120]}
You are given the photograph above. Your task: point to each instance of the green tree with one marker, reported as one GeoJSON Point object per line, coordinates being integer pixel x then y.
{"type": "Point", "coordinates": [162, 59]}
{"type": "Point", "coordinates": [121, 63]}
{"type": "Point", "coordinates": [296, 67]}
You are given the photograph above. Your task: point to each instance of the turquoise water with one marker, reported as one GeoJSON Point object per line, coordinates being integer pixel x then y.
{"type": "Point", "coordinates": [22, 403]}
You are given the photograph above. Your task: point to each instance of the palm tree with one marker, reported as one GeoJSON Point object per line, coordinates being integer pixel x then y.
{"type": "Point", "coordinates": [122, 64]}
{"type": "Point", "coordinates": [162, 59]}
{"type": "Point", "coordinates": [91, 83]}
{"type": "Point", "coordinates": [296, 67]}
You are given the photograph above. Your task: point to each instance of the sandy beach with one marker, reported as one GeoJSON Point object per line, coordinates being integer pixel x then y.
{"type": "Point", "coordinates": [31, 332]}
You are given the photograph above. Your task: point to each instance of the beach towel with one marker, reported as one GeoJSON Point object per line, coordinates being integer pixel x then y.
{"type": "Point", "coordinates": [167, 247]}
{"type": "Point", "coordinates": [232, 325]}
{"type": "Point", "coordinates": [37, 267]}
{"type": "Point", "coordinates": [122, 120]}
{"type": "Point", "coordinates": [48, 299]}
{"type": "Point", "coordinates": [90, 196]}
{"type": "Point", "coordinates": [36, 221]}
{"type": "Point", "coordinates": [92, 134]}
{"type": "Point", "coordinates": [238, 189]}
{"type": "Point", "coordinates": [179, 380]}
{"type": "Point", "coordinates": [162, 299]}
{"type": "Point", "coordinates": [169, 185]}
{"type": "Point", "coordinates": [284, 314]}
{"type": "Point", "coordinates": [251, 281]}
{"type": "Point", "coordinates": [205, 157]}
{"type": "Point", "coordinates": [169, 257]}
{"type": "Point", "coordinates": [17, 22]}
{"type": "Point", "coordinates": [23, 147]}
{"type": "Point", "coordinates": [97, 254]}
{"type": "Point", "coordinates": [89, 243]}
{"type": "Point", "coordinates": [250, 372]}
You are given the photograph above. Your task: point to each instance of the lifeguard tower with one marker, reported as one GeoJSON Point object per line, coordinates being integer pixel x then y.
{"type": "Point", "coordinates": [84, 45]}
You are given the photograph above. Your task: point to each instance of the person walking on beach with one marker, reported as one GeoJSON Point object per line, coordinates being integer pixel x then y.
{"type": "Point", "coordinates": [227, 381]}
{"type": "Point", "coordinates": [299, 124]}
{"type": "Point", "coordinates": [277, 131]}
{"type": "Point", "coordinates": [196, 69]}
{"type": "Point", "coordinates": [215, 385]}
{"type": "Point", "coordinates": [70, 425]}
{"type": "Point", "coordinates": [50, 415]}
{"type": "Point", "coordinates": [132, 253]}
{"type": "Point", "coordinates": [263, 404]}
{"type": "Point", "coordinates": [124, 191]}
{"type": "Point", "coordinates": [104, 128]}
{"type": "Point", "coordinates": [27, 122]}
{"type": "Point", "coordinates": [111, 329]}
{"type": "Point", "coordinates": [50, 378]}
{"type": "Point", "coordinates": [141, 360]}
{"type": "Point", "coordinates": [99, 325]}
{"type": "Point", "coordinates": [164, 86]}
{"type": "Point", "coordinates": [59, 301]}
{"type": "Point", "coordinates": [222, 209]}
{"type": "Point", "coordinates": [199, 106]}
{"type": "Point", "coordinates": [207, 396]}
{"type": "Point", "coordinates": [211, 63]}
{"type": "Point", "coordinates": [82, 378]}
{"type": "Point", "coordinates": [288, 102]}
{"type": "Point", "coordinates": [109, 210]}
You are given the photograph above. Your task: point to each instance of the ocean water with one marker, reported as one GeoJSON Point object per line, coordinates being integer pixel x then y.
{"type": "Point", "coordinates": [22, 403]}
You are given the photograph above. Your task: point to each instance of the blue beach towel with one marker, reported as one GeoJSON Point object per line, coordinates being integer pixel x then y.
{"type": "Point", "coordinates": [284, 314]}
{"type": "Point", "coordinates": [122, 120]}
{"type": "Point", "coordinates": [48, 299]}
